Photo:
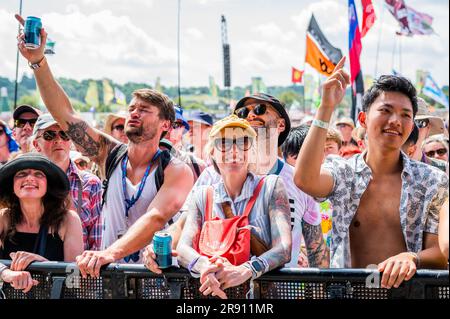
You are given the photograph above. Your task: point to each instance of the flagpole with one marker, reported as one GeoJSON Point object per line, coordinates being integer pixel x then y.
{"type": "Point", "coordinates": [400, 54]}
{"type": "Point", "coordinates": [393, 52]}
{"type": "Point", "coordinates": [17, 64]}
{"type": "Point", "coordinates": [379, 40]}
{"type": "Point", "coordinates": [178, 52]}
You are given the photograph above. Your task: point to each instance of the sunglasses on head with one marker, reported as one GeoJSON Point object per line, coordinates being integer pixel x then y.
{"type": "Point", "coordinates": [51, 135]}
{"type": "Point", "coordinates": [225, 144]}
{"type": "Point", "coordinates": [20, 123]}
{"type": "Point", "coordinates": [422, 123]}
{"type": "Point", "coordinates": [440, 152]}
{"type": "Point", "coordinates": [259, 109]}
{"type": "Point", "coordinates": [119, 127]}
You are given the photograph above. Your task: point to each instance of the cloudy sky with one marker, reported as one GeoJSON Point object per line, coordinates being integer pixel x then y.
{"type": "Point", "coordinates": [136, 40]}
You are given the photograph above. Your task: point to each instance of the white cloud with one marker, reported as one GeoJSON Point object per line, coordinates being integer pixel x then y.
{"type": "Point", "coordinates": [194, 33]}
{"type": "Point", "coordinates": [273, 31]}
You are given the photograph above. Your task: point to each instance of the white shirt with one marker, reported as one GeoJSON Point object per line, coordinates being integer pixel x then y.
{"type": "Point", "coordinates": [115, 223]}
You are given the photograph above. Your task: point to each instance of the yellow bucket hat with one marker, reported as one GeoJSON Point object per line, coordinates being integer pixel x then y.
{"type": "Point", "coordinates": [232, 121]}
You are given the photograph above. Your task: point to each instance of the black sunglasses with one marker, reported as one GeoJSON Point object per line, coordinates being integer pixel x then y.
{"type": "Point", "coordinates": [119, 127]}
{"type": "Point", "coordinates": [177, 125]}
{"type": "Point", "coordinates": [51, 135]}
{"type": "Point", "coordinates": [20, 123]}
{"type": "Point", "coordinates": [225, 144]}
{"type": "Point", "coordinates": [259, 109]}
{"type": "Point", "coordinates": [422, 123]}
{"type": "Point", "coordinates": [440, 152]}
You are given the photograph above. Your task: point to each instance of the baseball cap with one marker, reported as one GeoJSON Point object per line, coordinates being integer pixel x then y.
{"type": "Point", "coordinates": [44, 121]}
{"type": "Point", "coordinates": [232, 121]}
{"type": "Point", "coordinates": [201, 117]}
{"type": "Point", "coordinates": [276, 104]}
{"type": "Point", "coordinates": [23, 109]}
{"type": "Point", "coordinates": [179, 117]}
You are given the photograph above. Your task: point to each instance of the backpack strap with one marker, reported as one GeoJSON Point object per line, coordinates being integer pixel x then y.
{"type": "Point", "coordinates": [163, 161]}
{"type": "Point", "coordinates": [209, 203]}
{"type": "Point", "coordinates": [195, 165]}
{"type": "Point", "coordinates": [112, 161]}
{"type": "Point", "coordinates": [253, 199]}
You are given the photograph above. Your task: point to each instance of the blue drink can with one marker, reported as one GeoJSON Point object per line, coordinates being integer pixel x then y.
{"type": "Point", "coordinates": [33, 28]}
{"type": "Point", "coordinates": [162, 244]}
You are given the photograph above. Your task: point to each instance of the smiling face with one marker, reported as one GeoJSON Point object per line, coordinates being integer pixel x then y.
{"type": "Point", "coordinates": [389, 121]}
{"type": "Point", "coordinates": [231, 151]}
{"type": "Point", "coordinates": [53, 143]}
{"type": "Point", "coordinates": [30, 184]}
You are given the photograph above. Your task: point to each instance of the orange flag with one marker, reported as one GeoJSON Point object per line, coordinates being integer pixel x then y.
{"type": "Point", "coordinates": [320, 54]}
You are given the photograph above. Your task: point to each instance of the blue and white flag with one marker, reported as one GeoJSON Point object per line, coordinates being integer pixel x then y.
{"type": "Point", "coordinates": [433, 91]}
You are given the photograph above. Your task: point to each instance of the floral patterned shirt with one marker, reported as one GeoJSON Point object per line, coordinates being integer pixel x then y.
{"type": "Point", "coordinates": [424, 190]}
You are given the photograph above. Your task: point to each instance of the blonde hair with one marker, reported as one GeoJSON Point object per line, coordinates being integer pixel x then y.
{"type": "Point", "coordinates": [335, 136]}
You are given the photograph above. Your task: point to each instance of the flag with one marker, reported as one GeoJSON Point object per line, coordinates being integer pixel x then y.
{"type": "Point", "coordinates": [297, 75]}
{"type": "Point", "coordinates": [355, 45]}
{"type": "Point", "coordinates": [91, 97]}
{"type": "Point", "coordinates": [212, 87]}
{"type": "Point", "coordinates": [320, 54]}
{"type": "Point", "coordinates": [369, 16]}
{"type": "Point", "coordinates": [108, 93]}
{"type": "Point", "coordinates": [120, 96]}
{"type": "Point", "coordinates": [433, 91]}
{"type": "Point", "coordinates": [419, 23]}
{"type": "Point", "coordinates": [400, 12]}
{"type": "Point", "coordinates": [421, 75]}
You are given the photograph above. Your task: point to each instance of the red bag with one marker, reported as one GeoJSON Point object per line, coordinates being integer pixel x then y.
{"type": "Point", "coordinates": [228, 238]}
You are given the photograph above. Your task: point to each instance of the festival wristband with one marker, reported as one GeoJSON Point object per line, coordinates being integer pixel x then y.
{"type": "Point", "coordinates": [321, 124]}
{"type": "Point", "coordinates": [191, 268]}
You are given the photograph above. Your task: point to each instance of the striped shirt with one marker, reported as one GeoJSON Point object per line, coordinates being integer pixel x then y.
{"type": "Point", "coordinates": [90, 211]}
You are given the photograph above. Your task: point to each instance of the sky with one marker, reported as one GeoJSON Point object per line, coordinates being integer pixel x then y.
{"type": "Point", "coordinates": [136, 40]}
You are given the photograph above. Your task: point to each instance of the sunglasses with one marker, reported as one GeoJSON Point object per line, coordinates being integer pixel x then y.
{"type": "Point", "coordinates": [225, 144]}
{"type": "Point", "coordinates": [20, 123]}
{"type": "Point", "coordinates": [51, 135]}
{"type": "Point", "coordinates": [259, 109]}
{"type": "Point", "coordinates": [119, 127]}
{"type": "Point", "coordinates": [422, 123]}
{"type": "Point", "coordinates": [440, 152]}
{"type": "Point", "coordinates": [177, 125]}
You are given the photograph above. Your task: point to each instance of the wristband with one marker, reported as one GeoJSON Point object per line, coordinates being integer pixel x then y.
{"type": "Point", "coordinates": [321, 124]}
{"type": "Point", "coordinates": [417, 259]}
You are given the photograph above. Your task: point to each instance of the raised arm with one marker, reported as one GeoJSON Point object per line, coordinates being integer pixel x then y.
{"type": "Point", "coordinates": [309, 176]}
{"type": "Point", "coordinates": [89, 141]}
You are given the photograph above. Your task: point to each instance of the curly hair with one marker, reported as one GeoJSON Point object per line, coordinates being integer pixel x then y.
{"type": "Point", "coordinates": [56, 206]}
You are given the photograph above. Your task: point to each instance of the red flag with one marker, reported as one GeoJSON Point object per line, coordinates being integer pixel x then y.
{"type": "Point", "coordinates": [297, 75]}
{"type": "Point", "coordinates": [369, 16]}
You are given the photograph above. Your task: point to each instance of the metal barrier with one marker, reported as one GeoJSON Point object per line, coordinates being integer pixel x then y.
{"type": "Point", "coordinates": [61, 280]}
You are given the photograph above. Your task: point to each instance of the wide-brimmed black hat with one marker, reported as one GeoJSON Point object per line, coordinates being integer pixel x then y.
{"type": "Point", "coordinates": [276, 104]}
{"type": "Point", "coordinates": [56, 178]}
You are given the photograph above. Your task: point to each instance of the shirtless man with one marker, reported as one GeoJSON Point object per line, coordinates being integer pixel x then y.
{"type": "Point", "coordinates": [386, 207]}
{"type": "Point", "coordinates": [131, 219]}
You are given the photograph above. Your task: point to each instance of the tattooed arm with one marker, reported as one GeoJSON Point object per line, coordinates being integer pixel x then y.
{"type": "Point", "coordinates": [280, 228]}
{"type": "Point", "coordinates": [88, 140]}
{"type": "Point", "coordinates": [318, 252]}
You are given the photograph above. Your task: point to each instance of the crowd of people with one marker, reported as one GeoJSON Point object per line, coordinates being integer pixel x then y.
{"type": "Point", "coordinates": [240, 196]}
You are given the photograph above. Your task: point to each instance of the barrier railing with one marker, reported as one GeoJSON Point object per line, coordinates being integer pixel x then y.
{"type": "Point", "coordinates": [62, 281]}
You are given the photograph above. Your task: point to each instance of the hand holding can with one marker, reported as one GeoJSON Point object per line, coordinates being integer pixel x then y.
{"type": "Point", "coordinates": [33, 26]}
{"type": "Point", "coordinates": [162, 244]}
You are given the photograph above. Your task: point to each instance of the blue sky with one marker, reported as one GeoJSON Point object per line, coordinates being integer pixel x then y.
{"type": "Point", "coordinates": [135, 40]}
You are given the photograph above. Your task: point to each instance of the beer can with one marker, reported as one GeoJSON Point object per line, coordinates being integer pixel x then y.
{"type": "Point", "coordinates": [162, 245]}
{"type": "Point", "coordinates": [33, 26]}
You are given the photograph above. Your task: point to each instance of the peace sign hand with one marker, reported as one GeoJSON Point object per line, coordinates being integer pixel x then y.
{"type": "Point", "coordinates": [333, 89]}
